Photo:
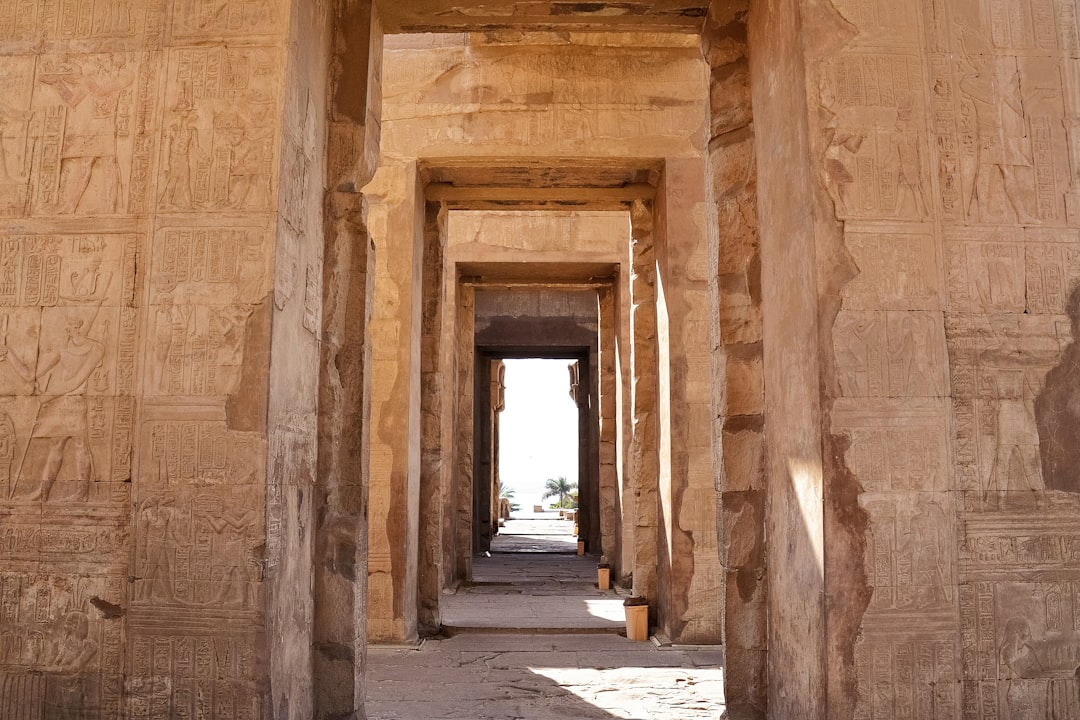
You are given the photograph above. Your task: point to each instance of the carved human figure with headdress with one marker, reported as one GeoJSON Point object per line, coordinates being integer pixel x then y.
{"type": "Point", "coordinates": [91, 95]}
{"type": "Point", "coordinates": [60, 377]}
{"type": "Point", "coordinates": [183, 154]}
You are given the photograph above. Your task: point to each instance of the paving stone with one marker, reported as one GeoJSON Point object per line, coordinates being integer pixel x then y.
{"type": "Point", "coordinates": [487, 676]}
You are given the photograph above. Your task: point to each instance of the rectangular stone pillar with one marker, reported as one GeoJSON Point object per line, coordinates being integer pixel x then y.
{"type": "Point", "coordinates": [610, 501]}
{"type": "Point", "coordinates": [793, 461]}
{"type": "Point", "coordinates": [395, 223]}
{"type": "Point", "coordinates": [465, 394]}
{"type": "Point", "coordinates": [737, 388]}
{"type": "Point", "coordinates": [339, 632]}
{"type": "Point", "coordinates": [482, 426]}
{"type": "Point", "coordinates": [691, 581]}
{"type": "Point", "coordinates": [339, 622]}
{"type": "Point", "coordinates": [435, 428]}
{"type": "Point", "coordinates": [644, 459]}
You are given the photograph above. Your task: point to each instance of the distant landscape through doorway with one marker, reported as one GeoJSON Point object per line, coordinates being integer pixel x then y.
{"type": "Point", "coordinates": [538, 442]}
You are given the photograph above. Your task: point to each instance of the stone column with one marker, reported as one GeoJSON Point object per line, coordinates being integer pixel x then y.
{"type": "Point", "coordinates": [607, 401]}
{"type": "Point", "coordinates": [589, 452]}
{"type": "Point", "coordinates": [434, 401]}
{"type": "Point", "coordinates": [394, 223]}
{"type": "Point", "coordinates": [498, 404]}
{"type": "Point", "coordinates": [691, 581]}
{"type": "Point", "coordinates": [483, 424]}
{"type": "Point", "coordinates": [465, 393]}
{"type": "Point", "coordinates": [643, 458]}
{"type": "Point", "coordinates": [339, 623]}
{"type": "Point", "coordinates": [738, 391]}
{"type": "Point", "coordinates": [793, 460]}
{"type": "Point", "coordinates": [341, 495]}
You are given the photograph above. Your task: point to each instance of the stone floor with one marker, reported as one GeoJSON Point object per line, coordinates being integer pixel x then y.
{"type": "Point", "coordinates": [479, 676]}
{"type": "Point", "coordinates": [532, 638]}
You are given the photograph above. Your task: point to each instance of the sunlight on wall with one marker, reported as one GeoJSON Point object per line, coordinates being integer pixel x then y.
{"type": "Point", "coordinates": [806, 484]}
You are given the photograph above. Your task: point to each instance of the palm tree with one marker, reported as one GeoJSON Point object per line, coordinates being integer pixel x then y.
{"type": "Point", "coordinates": [559, 487]}
{"type": "Point", "coordinates": [508, 493]}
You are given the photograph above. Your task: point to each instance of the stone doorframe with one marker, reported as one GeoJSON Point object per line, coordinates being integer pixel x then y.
{"type": "Point", "coordinates": [488, 406]}
{"type": "Point", "coordinates": [449, 363]}
{"type": "Point", "coordinates": [665, 539]}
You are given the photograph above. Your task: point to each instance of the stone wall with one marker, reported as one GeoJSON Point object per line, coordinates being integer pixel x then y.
{"type": "Point", "coordinates": [162, 175]}
{"type": "Point", "coordinates": [944, 158]}
{"type": "Point", "coordinates": [139, 159]}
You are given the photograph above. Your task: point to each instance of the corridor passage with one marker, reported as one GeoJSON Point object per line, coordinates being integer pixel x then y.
{"type": "Point", "coordinates": [534, 580]}
{"type": "Point", "coordinates": [528, 676]}
{"type": "Point", "coordinates": [532, 638]}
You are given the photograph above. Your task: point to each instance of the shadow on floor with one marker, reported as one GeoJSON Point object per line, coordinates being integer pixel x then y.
{"type": "Point", "coordinates": [543, 677]}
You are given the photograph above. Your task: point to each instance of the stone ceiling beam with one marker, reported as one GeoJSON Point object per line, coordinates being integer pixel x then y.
{"type": "Point", "coordinates": [419, 16]}
{"type": "Point", "coordinates": [517, 196]}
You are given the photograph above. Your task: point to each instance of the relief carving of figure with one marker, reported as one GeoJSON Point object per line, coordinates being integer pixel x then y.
{"type": "Point", "coordinates": [1004, 159]}
{"type": "Point", "coordinates": [89, 148]}
{"type": "Point", "coordinates": [1017, 438]}
{"type": "Point", "coordinates": [60, 377]}
{"type": "Point", "coordinates": [1026, 696]}
{"type": "Point", "coordinates": [912, 358]}
{"type": "Point", "coordinates": [1016, 364]}
{"type": "Point", "coordinates": [230, 551]}
{"type": "Point", "coordinates": [183, 155]}
{"type": "Point", "coordinates": [172, 329]}
{"type": "Point", "coordinates": [910, 197]}
{"type": "Point", "coordinates": [74, 649]}
{"type": "Point", "coordinates": [7, 447]}
{"type": "Point", "coordinates": [855, 350]}
{"type": "Point", "coordinates": [928, 550]}
{"type": "Point", "coordinates": [71, 654]}
{"type": "Point", "coordinates": [160, 535]}
{"type": "Point", "coordinates": [14, 128]}
{"type": "Point", "coordinates": [228, 325]}
{"type": "Point", "coordinates": [248, 170]}
{"type": "Point", "coordinates": [840, 153]}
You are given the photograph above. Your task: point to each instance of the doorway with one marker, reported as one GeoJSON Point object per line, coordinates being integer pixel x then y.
{"type": "Point", "coordinates": [536, 443]}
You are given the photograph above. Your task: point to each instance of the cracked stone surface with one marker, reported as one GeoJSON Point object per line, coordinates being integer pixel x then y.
{"type": "Point", "coordinates": [539, 677]}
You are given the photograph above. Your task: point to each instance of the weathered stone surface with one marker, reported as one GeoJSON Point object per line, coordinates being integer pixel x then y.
{"type": "Point", "coordinates": [836, 365]}
{"type": "Point", "coordinates": [449, 15]}
{"type": "Point", "coordinates": [942, 162]}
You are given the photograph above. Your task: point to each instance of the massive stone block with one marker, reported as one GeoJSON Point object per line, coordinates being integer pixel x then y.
{"type": "Point", "coordinates": [161, 186]}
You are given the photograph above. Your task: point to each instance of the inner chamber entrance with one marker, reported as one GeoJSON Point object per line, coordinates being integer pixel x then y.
{"type": "Point", "coordinates": [536, 443]}
{"type": "Point", "coordinates": [561, 323]}
{"type": "Point", "coordinates": [538, 450]}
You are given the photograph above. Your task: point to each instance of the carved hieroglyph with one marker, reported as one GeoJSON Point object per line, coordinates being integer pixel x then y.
{"type": "Point", "coordinates": [76, 133]}
{"type": "Point", "coordinates": [204, 282]}
{"type": "Point", "coordinates": [131, 513]}
{"type": "Point", "coordinates": [948, 147]}
{"type": "Point", "coordinates": [68, 358]}
{"type": "Point", "coordinates": [875, 164]}
{"type": "Point", "coordinates": [218, 130]}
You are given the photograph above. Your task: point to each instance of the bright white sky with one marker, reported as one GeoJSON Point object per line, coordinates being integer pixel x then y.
{"type": "Point", "coordinates": [538, 430]}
